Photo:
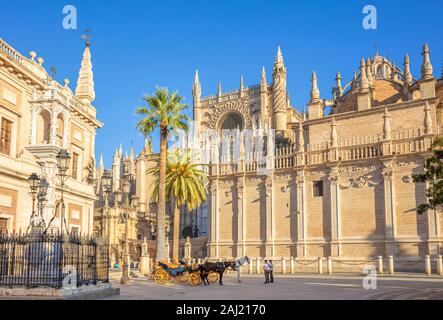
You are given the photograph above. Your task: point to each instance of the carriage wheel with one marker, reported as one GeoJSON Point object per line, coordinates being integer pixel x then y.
{"type": "Point", "coordinates": [183, 277]}
{"type": "Point", "coordinates": [213, 277]}
{"type": "Point", "coordinates": [161, 276]}
{"type": "Point", "coordinates": [194, 279]}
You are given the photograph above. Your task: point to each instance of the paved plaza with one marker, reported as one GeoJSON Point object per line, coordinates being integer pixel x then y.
{"type": "Point", "coordinates": [292, 287]}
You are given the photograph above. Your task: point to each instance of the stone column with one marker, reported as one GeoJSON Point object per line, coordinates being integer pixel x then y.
{"type": "Point", "coordinates": [270, 221]}
{"type": "Point", "coordinates": [241, 223]}
{"type": "Point", "coordinates": [53, 133]}
{"type": "Point", "coordinates": [389, 196]}
{"type": "Point", "coordinates": [213, 229]}
{"type": "Point", "coordinates": [335, 212]}
{"type": "Point", "coordinates": [33, 131]}
{"type": "Point", "coordinates": [301, 215]}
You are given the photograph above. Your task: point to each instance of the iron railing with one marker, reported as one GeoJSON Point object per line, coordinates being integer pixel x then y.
{"type": "Point", "coordinates": [35, 260]}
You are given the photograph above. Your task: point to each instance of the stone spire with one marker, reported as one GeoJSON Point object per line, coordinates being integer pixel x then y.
{"type": "Point", "coordinates": [263, 84]}
{"type": "Point", "coordinates": [220, 92]}
{"type": "Point", "coordinates": [369, 73]}
{"type": "Point", "coordinates": [85, 83]}
{"type": "Point", "coordinates": [120, 151]}
{"type": "Point", "coordinates": [278, 62]}
{"type": "Point", "coordinates": [333, 133]}
{"type": "Point", "coordinates": [407, 76]}
{"type": "Point", "coordinates": [101, 163]}
{"type": "Point", "coordinates": [426, 67]}
{"type": "Point", "coordinates": [242, 83]}
{"type": "Point", "coordinates": [196, 93]}
{"type": "Point", "coordinates": [428, 119]}
{"type": "Point", "coordinates": [364, 83]}
{"type": "Point", "coordinates": [116, 156]}
{"type": "Point", "coordinates": [338, 84]}
{"type": "Point", "coordinates": [315, 93]}
{"type": "Point", "coordinates": [131, 153]}
{"type": "Point", "coordinates": [196, 88]}
{"type": "Point", "coordinates": [386, 125]}
{"type": "Point", "coordinates": [279, 95]}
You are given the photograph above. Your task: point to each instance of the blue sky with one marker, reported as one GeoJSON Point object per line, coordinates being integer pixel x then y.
{"type": "Point", "coordinates": [138, 45]}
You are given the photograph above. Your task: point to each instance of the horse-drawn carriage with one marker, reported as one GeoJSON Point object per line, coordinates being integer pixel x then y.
{"type": "Point", "coordinates": [195, 274]}
{"type": "Point", "coordinates": [167, 271]}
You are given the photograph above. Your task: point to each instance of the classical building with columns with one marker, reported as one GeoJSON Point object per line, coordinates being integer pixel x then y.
{"type": "Point", "coordinates": [335, 180]}
{"type": "Point", "coordinates": [39, 117]}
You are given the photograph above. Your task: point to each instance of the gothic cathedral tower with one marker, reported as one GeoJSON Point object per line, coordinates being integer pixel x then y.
{"type": "Point", "coordinates": [279, 95]}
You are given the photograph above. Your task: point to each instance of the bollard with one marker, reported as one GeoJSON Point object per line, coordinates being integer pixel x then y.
{"type": "Point", "coordinates": [199, 261]}
{"type": "Point", "coordinates": [428, 270]}
{"type": "Point", "coordinates": [329, 265]}
{"type": "Point", "coordinates": [380, 265]}
{"type": "Point", "coordinates": [320, 265]}
{"type": "Point", "coordinates": [391, 264]}
{"type": "Point", "coordinates": [292, 265]}
{"type": "Point", "coordinates": [258, 265]}
{"type": "Point", "coordinates": [250, 268]}
{"type": "Point", "coordinates": [440, 265]}
{"type": "Point", "coordinates": [283, 265]}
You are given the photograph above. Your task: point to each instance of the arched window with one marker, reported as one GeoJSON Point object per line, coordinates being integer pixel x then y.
{"type": "Point", "coordinates": [379, 72]}
{"type": "Point", "coordinates": [44, 127]}
{"type": "Point", "coordinates": [232, 121]}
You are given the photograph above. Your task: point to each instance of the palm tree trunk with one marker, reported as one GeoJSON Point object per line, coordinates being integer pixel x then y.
{"type": "Point", "coordinates": [176, 234]}
{"type": "Point", "coordinates": [161, 205]}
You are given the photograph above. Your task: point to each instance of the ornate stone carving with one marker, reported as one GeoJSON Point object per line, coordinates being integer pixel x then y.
{"type": "Point", "coordinates": [299, 180]}
{"type": "Point", "coordinates": [387, 172]}
{"type": "Point", "coordinates": [407, 179]}
{"type": "Point", "coordinates": [217, 112]}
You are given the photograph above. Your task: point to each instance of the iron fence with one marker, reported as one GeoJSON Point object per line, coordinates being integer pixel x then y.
{"type": "Point", "coordinates": [52, 260]}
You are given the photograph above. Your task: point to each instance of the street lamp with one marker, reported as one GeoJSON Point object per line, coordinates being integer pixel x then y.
{"type": "Point", "coordinates": [34, 184]}
{"type": "Point", "coordinates": [126, 203]}
{"type": "Point", "coordinates": [106, 184]}
{"type": "Point", "coordinates": [63, 161]}
{"type": "Point", "coordinates": [37, 221]}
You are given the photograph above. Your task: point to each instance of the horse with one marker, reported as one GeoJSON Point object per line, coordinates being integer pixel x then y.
{"type": "Point", "coordinates": [239, 263]}
{"type": "Point", "coordinates": [219, 267]}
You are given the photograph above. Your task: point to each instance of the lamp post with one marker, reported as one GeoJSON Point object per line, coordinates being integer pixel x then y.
{"type": "Point", "coordinates": [126, 204]}
{"type": "Point", "coordinates": [106, 183]}
{"type": "Point", "coordinates": [34, 181]}
{"type": "Point", "coordinates": [63, 160]}
{"type": "Point", "coordinates": [38, 190]}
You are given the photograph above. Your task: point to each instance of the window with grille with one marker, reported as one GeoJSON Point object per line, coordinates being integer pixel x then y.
{"type": "Point", "coordinates": [3, 226]}
{"type": "Point", "coordinates": [317, 188]}
{"type": "Point", "coordinates": [5, 137]}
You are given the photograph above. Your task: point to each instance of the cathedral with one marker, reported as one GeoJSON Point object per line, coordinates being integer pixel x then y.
{"type": "Point", "coordinates": [332, 181]}
{"type": "Point", "coordinates": [322, 183]}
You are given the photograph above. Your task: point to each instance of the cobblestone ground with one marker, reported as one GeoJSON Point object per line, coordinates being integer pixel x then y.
{"type": "Point", "coordinates": [292, 287]}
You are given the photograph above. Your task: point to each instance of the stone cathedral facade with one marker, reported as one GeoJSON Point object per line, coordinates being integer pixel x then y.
{"type": "Point", "coordinates": [337, 184]}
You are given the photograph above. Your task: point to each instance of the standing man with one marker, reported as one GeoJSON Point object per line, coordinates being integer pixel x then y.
{"type": "Point", "coordinates": [238, 268]}
{"type": "Point", "coordinates": [266, 271]}
{"type": "Point", "coordinates": [271, 271]}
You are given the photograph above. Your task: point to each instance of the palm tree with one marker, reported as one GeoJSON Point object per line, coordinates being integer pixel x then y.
{"type": "Point", "coordinates": [163, 111]}
{"type": "Point", "coordinates": [186, 184]}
